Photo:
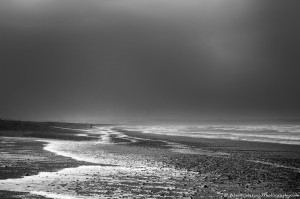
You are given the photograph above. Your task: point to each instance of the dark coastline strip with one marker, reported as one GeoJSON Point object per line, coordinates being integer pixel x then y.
{"type": "Point", "coordinates": [14, 194]}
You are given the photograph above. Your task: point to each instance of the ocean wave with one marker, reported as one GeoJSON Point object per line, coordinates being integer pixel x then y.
{"type": "Point", "coordinates": [283, 134]}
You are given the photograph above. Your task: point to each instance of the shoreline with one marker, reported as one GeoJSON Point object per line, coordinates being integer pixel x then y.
{"type": "Point", "coordinates": [237, 173]}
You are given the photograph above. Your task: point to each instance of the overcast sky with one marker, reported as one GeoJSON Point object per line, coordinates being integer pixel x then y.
{"type": "Point", "coordinates": [85, 60]}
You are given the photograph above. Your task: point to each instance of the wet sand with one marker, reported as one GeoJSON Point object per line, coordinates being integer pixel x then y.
{"type": "Point", "coordinates": [107, 162]}
{"type": "Point", "coordinates": [22, 152]}
{"type": "Point", "coordinates": [249, 167]}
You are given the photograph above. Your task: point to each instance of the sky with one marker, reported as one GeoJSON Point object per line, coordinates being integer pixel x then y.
{"type": "Point", "coordinates": [67, 60]}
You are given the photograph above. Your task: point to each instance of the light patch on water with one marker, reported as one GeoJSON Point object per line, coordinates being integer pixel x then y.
{"type": "Point", "coordinates": [275, 165]}
{"type": "Point", "coordinates": [58, 196]}
{"type": "Point", "coordinates": [82, 135]}
{"type": "Point", "coordinates": [181, 148]}
{"type": "Point", "coordinates": [68, 149]}
{"type": "Point", "coordinates": [72, 129]}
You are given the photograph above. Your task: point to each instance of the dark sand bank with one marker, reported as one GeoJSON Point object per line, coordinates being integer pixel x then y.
{"type": "Point", "coordinates": [51, 130]}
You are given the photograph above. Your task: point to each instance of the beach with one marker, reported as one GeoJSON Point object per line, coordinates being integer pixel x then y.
{"type": "Point", "coordinates": [57, 160]}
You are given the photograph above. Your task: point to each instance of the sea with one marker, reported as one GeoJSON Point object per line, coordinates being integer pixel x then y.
{"type": "Point", "coordinates": [272, 133]}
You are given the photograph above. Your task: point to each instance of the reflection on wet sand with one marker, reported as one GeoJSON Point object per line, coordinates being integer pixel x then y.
{"type": "Point", "coordinates": [105, 181]}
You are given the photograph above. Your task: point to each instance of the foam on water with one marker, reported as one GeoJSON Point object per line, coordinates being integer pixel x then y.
{"type": "Point", "coordinates": [82, 135]}
{"type": "Point", "coordinates": [283, 134]}
{"type": "Point", "coordinates": [58, 196]}
{"type": "Point", "coordinates": [72, 129]}
{"type": "Point", "coordinates": [276, 165]}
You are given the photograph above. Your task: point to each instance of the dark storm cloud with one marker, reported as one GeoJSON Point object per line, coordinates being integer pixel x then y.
{"type": "Point", "coordinates": [73, 59]}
